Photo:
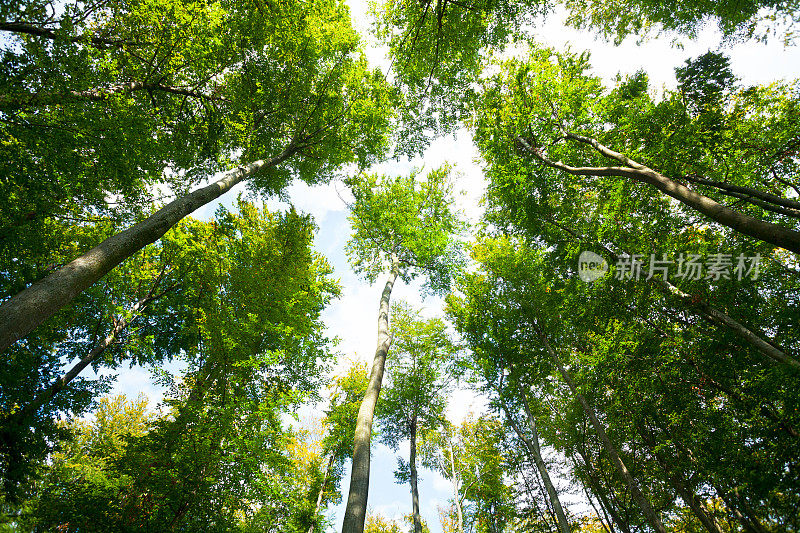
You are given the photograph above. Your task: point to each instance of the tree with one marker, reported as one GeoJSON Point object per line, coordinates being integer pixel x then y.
{"type": "Point", "coordinates": [550, 94]}
{"type": "Point", "coordinates": [413, 403]}
{"type": "Point", "coordinates": [303, 105]}
{"type": "Point", "coordinates": [249, 276]}
{"type": "Point", "coordinates": [340, 424]}
{"type": "Point", "coordinates": [404, 225]}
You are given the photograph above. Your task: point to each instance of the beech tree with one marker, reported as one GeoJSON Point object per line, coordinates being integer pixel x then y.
{"type": "Point", "coordinates": [302, 104]}
{"type": "Point", "coordinates": [414, 401]}
{"type": "Point", "coordinates": [250, 276]}
{"type": "Point", "coordinates": [404, 225]}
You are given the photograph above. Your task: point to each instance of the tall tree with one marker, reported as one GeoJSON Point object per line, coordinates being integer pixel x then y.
{"type": "Point", "coordinates": [414, 403]}
{"type": "Point", "coordinates": [404, 225]}
{"type": "Point", "coordinates": [303, 103]}
{"type": "Point", "coordinates": [249, 275]}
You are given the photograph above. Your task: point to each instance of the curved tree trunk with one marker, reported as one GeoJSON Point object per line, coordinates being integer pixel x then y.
{"type": "Point", "coordinates": [356, 510]}
{"type": "Point", "coordinates": [29, 308]}
{"type": "Point", "coordinates": [647, 509]}
{"type": "Point", "coordinates": [412, 462]}
{"type": "Point", "coordinates": [744, 224]}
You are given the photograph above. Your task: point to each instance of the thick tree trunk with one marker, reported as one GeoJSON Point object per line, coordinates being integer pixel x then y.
{"type": "Point", "coordinates": [321, 493]}
{"type": "Point", "coordinates": [457, 500]}
{"type": "Point", "coordinates": [744, 224]}
{"type": "Point", "coordinates": [29, 308]}
{"type": "Point", "coordinates": [356, 510]}
{"type": "Point", "coordinates": [532, 444]}
{"type": "Point", "coordinates": [644, 505]}
{"type": "Point", "coordinates": [412, 462]}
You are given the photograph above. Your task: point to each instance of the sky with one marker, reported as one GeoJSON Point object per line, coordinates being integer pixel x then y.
{"type": "Point", "coordinates": [353, 318]}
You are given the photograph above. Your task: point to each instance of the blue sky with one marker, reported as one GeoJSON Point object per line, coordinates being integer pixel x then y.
{"type": "Point", "coordinates": [353, 318]}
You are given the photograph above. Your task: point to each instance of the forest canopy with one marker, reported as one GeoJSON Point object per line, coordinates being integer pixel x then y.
{"type": "Point", "coordinates": [592, 326]}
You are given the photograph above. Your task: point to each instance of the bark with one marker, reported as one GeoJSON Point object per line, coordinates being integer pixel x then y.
{"type": "Point", "coordinates": [120, 324]}
{"type": "Point", "coordinates": [747, 225]}
{"type": "Point", "coordinates": [29, 308]}
{"type": "Point", "coordinates": [356, 510]}
{"type": "Point", "coordinates": [30, 29]}
{"type": "Point", "coordinates": [97, 95]}
{"type": "Point", "coordinates": [676, 479]}
{"type": "Point", "coordinates": [321, 493]}
{"type": "Point", "coordinates": [532, 444]}
{"type": "Point", "coordinates": [412, 462]}
{"type": "Point", "coordinates": [748, 525]}
{"type": "Point", "coordinates": [457, 500]}
{"type": "Point", "coordinates": [793, 205]}
{"type": "Point", "coordinates": [644, 505]}
{"type": "Point", "coordinates": [597, 488]}
{"type": "Point", "coordinates": [764, 345]}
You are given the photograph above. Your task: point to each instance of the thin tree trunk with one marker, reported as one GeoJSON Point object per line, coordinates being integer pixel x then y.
{"type": "Point", "coordinates": [29, 308]}
{"type": "Point", "coordinates": [412, 462]}
{"type": "Point", "coordinates": [459, 513]}
{"type": "Point", "coordinates": [749, 526]}
{"type": "Point", "coordinates": [31, 29]}
{"type": "Point", "coordinates": [356, 510]}
{"type": "Point", "coordinates": [532, 443]}
{"type": "Point", "coordinates": [676, 480]}
{"type": "Point", "coordinates": [707, 311]}
{"type": "Point", "coordinates": [321, 493]}
{"type": "Point", "coordinates": [745, 224]}
{"type": "Point", "coordinates": [597, 488]}
{"type": "Point", "coordinates": [98, 94]}
{"type": "Point", "coordinates": [120, 324]}
{"type": "Point", "coordinates": [633, 486]}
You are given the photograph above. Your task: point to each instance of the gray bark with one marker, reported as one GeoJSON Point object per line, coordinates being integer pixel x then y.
{"type": "Point", "coordinates": [532, 444]}
{"type": "Point", "coordinates": [412, 462]}
{"type": "Point", "coordinates": [633, 486]}
{"type": "Point", "coordinates": [709, 312]}
{"type": "Point", "coordinates": [744, 224]}
{"type": "Point", "coordinates": [356, 511]}
{"type": "Point", "coordinates": [457, 500]}
{"type": "Point", "coordinates": [23, 312]}
{"type": "Point", "coordinates": [321, 493]}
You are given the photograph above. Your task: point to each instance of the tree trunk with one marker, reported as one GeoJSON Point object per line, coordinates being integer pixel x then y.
{"type": "Point", "coordinates": [532, 444]}
{"type": "Point", "coordinates": [644, 505]}
{"type": "Point", "coordinates": [356, 510]}
{"type": "Point", "coordinates": [744, 224]}
{"type": "Point", "coordinates": [764, 345]}
{"type": "Point", "coordinates": [29, 308]}
{"type": "Point", "coordinates": [321, 493]}
{"type": "Point", "coordinates": [459, 513]}
{"type": "Point", "coordinates": [412, 462]}
{"type": "Point", "coordinates": [597, 488]}
{"type": "Point", "coordinates": [675, 479]}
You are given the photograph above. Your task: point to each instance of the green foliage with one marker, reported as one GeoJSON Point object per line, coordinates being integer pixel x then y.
{"type": "Point", "coordinates": [414, 397]}
{"type": "Point", "coordinates": [407, 218]}
{"type": "Point", "coordinates": [243, 292]}
{"type": "Point", "coordinates": [438, 50]}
